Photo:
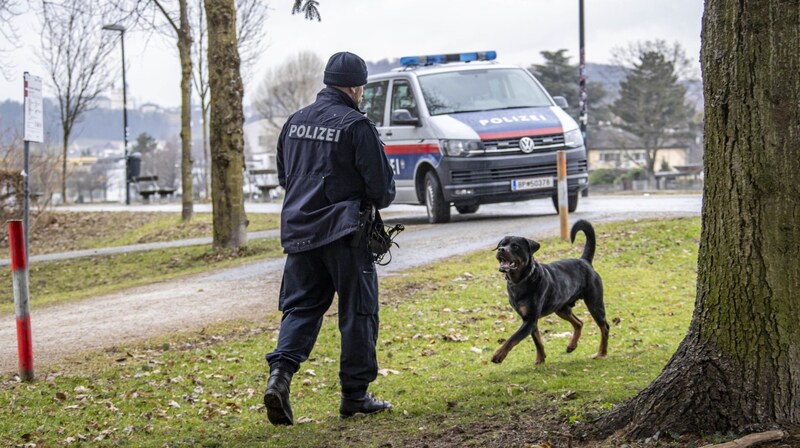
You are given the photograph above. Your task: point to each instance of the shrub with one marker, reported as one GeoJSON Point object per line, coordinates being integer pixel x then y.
{"type": "Point", "coordinates": [602, 177]}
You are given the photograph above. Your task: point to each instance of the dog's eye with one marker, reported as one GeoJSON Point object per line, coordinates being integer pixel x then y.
{"type": "Point", "coordinates": [514, 246]}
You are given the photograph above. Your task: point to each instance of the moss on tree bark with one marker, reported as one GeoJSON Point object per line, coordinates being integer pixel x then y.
{"type": "Point", "coordinates": [185, 54]}
{"type": "Point", "coordinates": [227, 120]}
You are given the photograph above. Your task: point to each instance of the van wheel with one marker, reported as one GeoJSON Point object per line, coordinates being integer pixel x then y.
{"type": "Point", "coordinates": [467, 209]}
{"type": "Point", "coordinates": [572, 202]}
{"type": "Point", "coordinates": [438, 209]}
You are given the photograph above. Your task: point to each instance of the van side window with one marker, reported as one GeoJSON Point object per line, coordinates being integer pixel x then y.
{"type": "Point", "coordinates": [403, 97]}
{"type": "Point", "coordinates": [374, 102]}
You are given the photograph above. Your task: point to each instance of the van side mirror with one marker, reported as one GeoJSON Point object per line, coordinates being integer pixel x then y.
{"type": "Point", "coordinates": [404, 117]}
{"type": "Point", "coordinates": [561, 102]}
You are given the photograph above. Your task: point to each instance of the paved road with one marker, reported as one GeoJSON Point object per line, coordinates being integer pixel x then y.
{"type": "Point", "coordinates": [250, 291]}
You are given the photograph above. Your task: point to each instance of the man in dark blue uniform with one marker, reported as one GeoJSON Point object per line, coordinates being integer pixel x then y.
{"type": "Point", "coordinates": [330, 161]}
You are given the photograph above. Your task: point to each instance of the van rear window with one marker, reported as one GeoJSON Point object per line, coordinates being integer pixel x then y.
{"type": "Point", "coordinates": [479, 90]}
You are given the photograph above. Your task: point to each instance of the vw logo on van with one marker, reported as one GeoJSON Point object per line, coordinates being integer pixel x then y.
{"type": "Point", "coordinates": [526, 144]}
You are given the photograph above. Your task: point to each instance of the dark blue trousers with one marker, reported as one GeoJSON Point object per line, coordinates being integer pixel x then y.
{"type": "Point", "coordinates": [310, 280]}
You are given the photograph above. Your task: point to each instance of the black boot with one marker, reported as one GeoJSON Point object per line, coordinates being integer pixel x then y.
{"type": "Point", "coordinates": [276, 398]}
{"type": "Point", "coordinates": [364, 405]}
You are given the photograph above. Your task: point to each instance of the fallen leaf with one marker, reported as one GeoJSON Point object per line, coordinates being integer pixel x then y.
{"type": "Point", "coordinates": [476, 350]}
{"type": "Point", "coordinates": [386, 372]}
{"type": "Point", "coordinates": [455, 337]}
{"type": "Point", "coordinates": [174, 404]}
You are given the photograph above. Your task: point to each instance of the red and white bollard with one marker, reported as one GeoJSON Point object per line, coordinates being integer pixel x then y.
{"type": "Point", "coordinates": [19, 264]}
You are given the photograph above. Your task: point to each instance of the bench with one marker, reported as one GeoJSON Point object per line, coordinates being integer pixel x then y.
{"type": "Point", "coordinates": [262, 181]}
{"type": "Point", "coordinates": [152, 188]}
{"type": "Point", "coordinates": [266, 189]}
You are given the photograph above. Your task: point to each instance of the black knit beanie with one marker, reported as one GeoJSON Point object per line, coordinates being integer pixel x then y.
{"type": "Point", "coordinates": [345, 70]}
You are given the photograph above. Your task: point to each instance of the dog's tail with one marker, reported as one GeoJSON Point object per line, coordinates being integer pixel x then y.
{"type": "Point", "coordinates": [587, 229]}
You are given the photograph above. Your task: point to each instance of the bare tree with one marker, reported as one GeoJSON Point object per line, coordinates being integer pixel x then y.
{"type": "Point", "coordinates": [183, 31]}
{"type": "Point", "coordinates": [200, 78]}
{"type": "Point", "coordinates": [44, 163]}
{"type": "Point", "coordinates": [250, 30]}
{"type": "Point", "coordinates": [163, 160]}
{"type": "Point", "coordinates": [74, 52]}
{"type": "Point", "coordinates": [288, 87]}
{"type": "Point", "coordinates": [8, 33]}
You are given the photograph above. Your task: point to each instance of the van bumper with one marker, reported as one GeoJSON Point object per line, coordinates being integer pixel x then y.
{"type": "Point", "coordinates": [486, 180]}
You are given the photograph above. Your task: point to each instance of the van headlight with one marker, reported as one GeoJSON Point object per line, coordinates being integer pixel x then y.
{"type": "Point", "coordinates": [573, 138]}
{"type": "Point", "coordinates": [462, 148]}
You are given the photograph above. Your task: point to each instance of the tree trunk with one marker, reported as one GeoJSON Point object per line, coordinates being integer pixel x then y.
{"type": "Point", "coordinates": [206, 149]}
{"type": "Point", "coordinates": [739, 367]}
{"type": "Point", "coordinates": [185, 53]}
{"type": "Point", "coordinates": [64, 168]}
{"type": "Point", "coordinates": [227, 120]}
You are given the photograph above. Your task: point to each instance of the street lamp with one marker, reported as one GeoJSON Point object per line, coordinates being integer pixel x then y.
{"type": "Point", "coordinates": [121, 29]}
{"type": "Point", "coordinates": [583, 117]}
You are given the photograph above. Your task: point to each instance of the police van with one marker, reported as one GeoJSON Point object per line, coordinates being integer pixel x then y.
{"type": "Point", "coordinates": [464, 130]}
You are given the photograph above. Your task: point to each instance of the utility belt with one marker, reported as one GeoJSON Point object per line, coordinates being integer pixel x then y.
{"type": "Point", "coordinates": [380, 237]}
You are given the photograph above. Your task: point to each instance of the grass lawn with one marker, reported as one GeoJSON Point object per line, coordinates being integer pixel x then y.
{"type": "Point", "coordinates": [439, 327]}
{"type": "Point", "coordinates": [53, 282]}
{"type": "Point", "coordinates": [62, 281]}
{"type": "Point", "coordinates": [53, 232]}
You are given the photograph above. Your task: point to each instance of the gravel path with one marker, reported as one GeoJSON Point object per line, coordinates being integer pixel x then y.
{"type": "Point", "coordinates": [251, 291]}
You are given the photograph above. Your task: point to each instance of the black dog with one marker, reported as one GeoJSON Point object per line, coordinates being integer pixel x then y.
{"type": "Point", "coordinates": [536, 290]}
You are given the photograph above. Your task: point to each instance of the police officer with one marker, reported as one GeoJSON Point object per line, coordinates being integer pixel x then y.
{"type": "Point", "coordinates": [330, 161]}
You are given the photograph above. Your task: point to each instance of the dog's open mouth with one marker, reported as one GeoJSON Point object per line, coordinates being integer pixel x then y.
{"type": "Point", "coordinates": [506, 266]}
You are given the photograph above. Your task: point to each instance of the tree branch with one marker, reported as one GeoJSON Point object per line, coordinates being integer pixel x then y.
{"type": "Point", "coordinates": [167, 16]}
{"type": "Point", "coordinates": [751, 440]}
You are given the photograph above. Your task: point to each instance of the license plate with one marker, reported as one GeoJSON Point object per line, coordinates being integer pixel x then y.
{"type": "Point", "coordinates": [531, 184]}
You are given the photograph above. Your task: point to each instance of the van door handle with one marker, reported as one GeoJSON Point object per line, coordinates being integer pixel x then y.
{"type": "Point", "coordinates": [388, 133]}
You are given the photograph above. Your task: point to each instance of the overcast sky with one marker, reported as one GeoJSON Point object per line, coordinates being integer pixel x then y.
{"type": "Point", "coordinates": [376, 29]}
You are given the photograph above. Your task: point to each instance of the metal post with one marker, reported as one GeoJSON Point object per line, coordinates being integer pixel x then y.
{"type": "Point", "coordinates": [19, 266]}
{"type": "Point", "coordinates": [125, 119]}
{"type": "Point", "coordinates": [563, 198]}
{"type": "Point", "coordinates": [121, 29]}
{"type": "Point", "coordinates": [583, 118]}
{"type": "Point", "coordinates": [26, 192]}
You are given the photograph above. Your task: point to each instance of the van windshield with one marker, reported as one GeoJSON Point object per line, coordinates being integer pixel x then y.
{"type": "Point", "coordinates": [479, 90]}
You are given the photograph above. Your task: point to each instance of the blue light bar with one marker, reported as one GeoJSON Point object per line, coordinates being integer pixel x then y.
{"type": "Point", "coordinates": [407, 61]}
{"type": "Point", "coordinates": [478, 56]}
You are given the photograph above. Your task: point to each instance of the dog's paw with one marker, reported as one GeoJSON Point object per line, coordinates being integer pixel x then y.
{"type": "Point", "coordinates": [498, 358]}
{"type": "Point", "coordinates": [539, 361]}
{"type": "Point", "coordinates": [571, 348]}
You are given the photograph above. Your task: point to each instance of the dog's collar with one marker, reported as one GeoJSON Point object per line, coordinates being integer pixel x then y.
{"type": "Point", "coordinates": [530, 273]}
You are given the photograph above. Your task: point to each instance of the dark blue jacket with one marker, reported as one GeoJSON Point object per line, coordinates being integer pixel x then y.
{"type": "Point", "coordinates": [330, 159]}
